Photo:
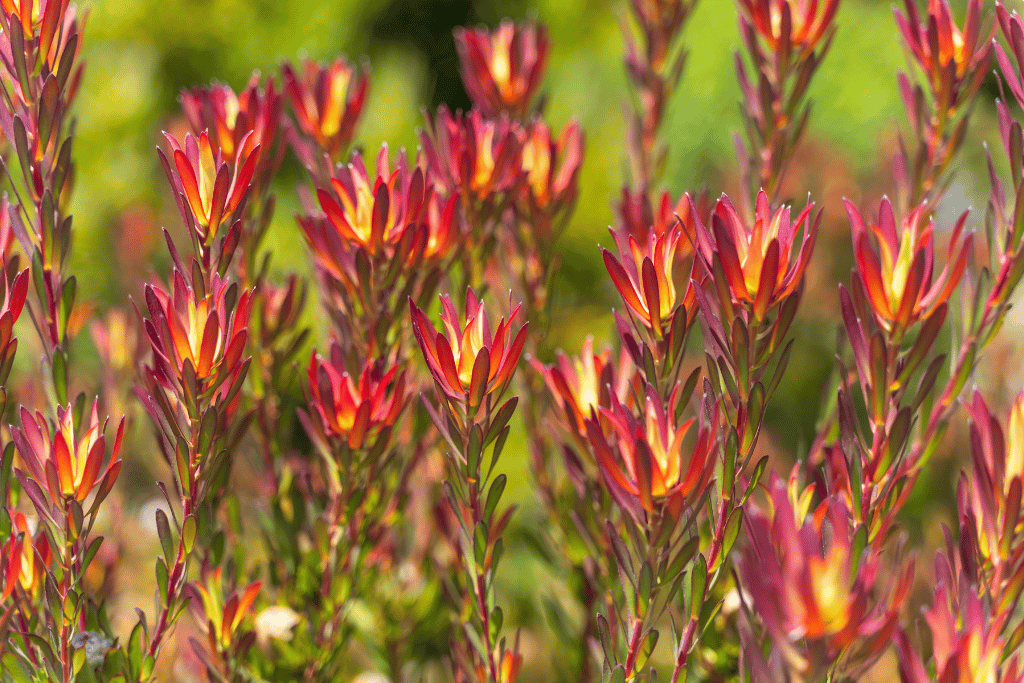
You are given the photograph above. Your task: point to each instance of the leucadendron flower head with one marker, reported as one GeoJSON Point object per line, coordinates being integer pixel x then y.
{"type": "Point", "coordinates": [326, 101]}
{"type": "Point", "coordinates": [784, 25]}
{"type": "Point", "coordinates": [502, 69]}
{"type": "Point", "coordinates": [355, 410]}
{"type": "Point", "coordinates": [24, 560]}
{"type": "Point", "coordinates": [897, 264]}
{"type": "Point", "coordinates": [211, 191]}
{"type": "Point", "coordinates": [374, 212]}
{"type": "Point", "coordinates": [552, 170]}
{"type": "Point", "coordinates": [468, 361]}
{"type": "Point", "coordinates": [586, 383]}
{"type": "Point", "coordinates": [988, 503]}
{"type": "Point", "coordinates": [239, 124]}
{"type": "Point", "coordinates": [966, 643]}
{"type": "Point", "coordinates": [950, 58]}
{"type": "Point", "coordinates": [198, 337]}
{"type": "Point", "coordinates": [645, 275]}
{"type": "Point", "coordinates": [815, 587]}
{"type": "Point", "coordinates": [479, 159]}
{"type": "Point", "coordinates": [756, 266]}
{"type": "Point", "coordinates": [646, 461]}
{"type": "Point", "coordinates": [220, 611]}
{"type": "Point", "coordinates": [69, 456]}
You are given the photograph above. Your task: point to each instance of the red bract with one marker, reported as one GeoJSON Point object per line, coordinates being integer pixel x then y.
{"type": "Point", "coordinates": [50, 22]}
{"type": "Point", "coordinates": [503, 69]}
{"type": "Point", "coordinates": [946, 55]}
{"type": "Point", "coordinates": [210, 190]}
{"type": "Point", "coordinates": [373, 213]}
{"type": "Point", "coordinates": [586, 384]}
{"type": "Point", "coordinates": [757, 266]}
{"type": "Point", "coordinates": [812, 587]}
{"type": "Point", "coordinates": [644, 461]}
{"type": "Point", "coordinates": [989, 503]}
{"type": "Point", "coordinates": [378, 233]}
{"type": "Point", "coordinates": [14, 290]}
{"type": "Point", "coordinates": [1012, 27]}
{"type": "Point", "coordinates": [468, 361]}
{"type": "Point", "coordinates": [788, 24]}
{"type": "Point", "coordinates": [326, 101]}
{"type": "Point", "coordinates": [24, 561]}
{"type": "Point", "coordinates": [966, 642]}
{"type": "Point", "coordinates": [479, 159]}
{"type": "Point", "coordinates": [350, 411]}
{"type": "Point", "coordinates": [197, 337]}
{"type": "Point", "coordinates": [644, 276]}
{"type": "Point", "coordinates": [897, 267]}
{"type": "Point", "coordinates": [552, 170]}
{"type": "Point", "coordinates": [229, 119]}
{"type": "Point", "coordinates": [67, 457]}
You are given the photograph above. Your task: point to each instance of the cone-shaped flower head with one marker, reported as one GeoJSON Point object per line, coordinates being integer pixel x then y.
{"type": "Point", "coordinates": [946, 55]}
{"type": "Point", "coordinates": [989, 501]}
{"type": "Point", "coordinates": [396, 221]}
{"type": "Point", "coordinates": [467, 360]}
{"type": "Point", "coordinates": [583, 385]}
{"type": "Point", "coordinates": [229, 117]}
{"type": "Point", "coordinates": [374, 212]}
{"type": "Point", "coordinates": [476, 157]}
{"type": "Point", "coordinates": [811, 588]}
{"type": "Point", "coordinates": [222, 614]}
{"type": "Point", "coordinates": [24, 560]}
{"type": "Point", "coordinates": [355, 410]}
{"type": "Point", "coordinates": [327, 101]}
{"type": "Point", "coordinates": [552, 169]}
{"type": "Point", "coordinates": [210, 190]}
{"type": "Point", "coordinates": [69, 457]}
{"type": "Point", "coordinates": [239, 125]}
{"type": "Point", "coordinates": [197, 336]}
{"type": "Point", "coordinates": [764, 262]}
{"type": "Point", "coordinates": [503, 69]}
{"type": "Point", "coordinates": [644, 459]}
{"type": "Point", "coordinates": [965, 639]}
{"type": "Point", "coordinates": [897, 265]}
{"type": "Point", "coordinates": [644, 274]}
{"type": "Point", "coordinates": [789, 24]}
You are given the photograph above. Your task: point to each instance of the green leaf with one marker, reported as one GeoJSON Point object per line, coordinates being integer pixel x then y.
{"type": "Point", "coordinates": [494, 496]}
{"type": "Point", "coordinates": [698, 583]}
{"type": "Point", "coordinates": [188, 533]}
{"type": "Point", "coordinates": [60, 377]}
{"type": "Point", "coordinates": [755, 477]}
{"type": "Point", "coordinates": [496, 619]}
{"type": "Point", "coordinates": [13, 668]}
{"type": "Point", "coordinates": [474, 449]}
{"type": "Point", "coordinates": [91, 551]}
{"type": "Point", "coordinates": [646, 580]}
{"type": "Point", "coordinates": [480, 546]}
{"type": "Point", "coordinates": [163, 531]}
{"type": "Point", "coordinates": [162, 579]}
{"type": "Point", "coordinates": [501, 419]}
{"type": "Point", "coordinates": [67, 303]}
{"type": "Point", "coordinates": [732, 530]}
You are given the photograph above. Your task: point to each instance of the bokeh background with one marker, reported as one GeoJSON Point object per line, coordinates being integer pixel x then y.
{"type": "Point", "coordinates": [140, 53]}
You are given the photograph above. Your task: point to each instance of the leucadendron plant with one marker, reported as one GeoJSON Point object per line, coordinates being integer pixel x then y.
{"type": "Point", "coordinates": [406, 480]}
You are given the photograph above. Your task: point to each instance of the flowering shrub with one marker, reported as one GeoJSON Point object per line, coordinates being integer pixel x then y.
{"type": "Point", "coordinates": [369, 516]}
